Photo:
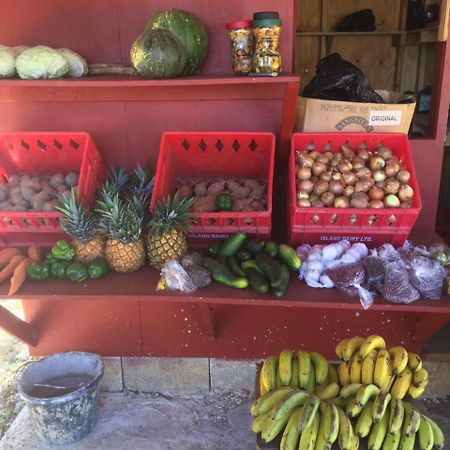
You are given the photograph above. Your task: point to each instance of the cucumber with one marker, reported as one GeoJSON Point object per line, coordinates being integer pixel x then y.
{"type": "Point", "coordinates": [270, 267]}
{"type": "Point", "coordinates": [257, 281]}
{"type": "Point", "coordinates": [251, 264]}
{"type": "Point", "coordinates": [289, 257]}
{"type": "Point", "coordinates": [271, 248]}
{"type": "Point", "coordinates": [214, 247]}
{"type": "Point", "coordinates": [233, 244]}
{"type": "Point", "coordinates": [254, 246]}
{"type": "Point", "coordinates": [222, 274]}
{"type": "Point", "coordinates": [233, 264]}
{"type": "Point", "coordinates": [280, 291]}
{"type": "Point", "coordinates": [243, 255]}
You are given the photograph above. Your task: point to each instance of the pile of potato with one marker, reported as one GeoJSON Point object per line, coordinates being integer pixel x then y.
{"type": "Point", "coordinates": [247, 194]}
{"type": "Point", "coordinates": [35, 193]}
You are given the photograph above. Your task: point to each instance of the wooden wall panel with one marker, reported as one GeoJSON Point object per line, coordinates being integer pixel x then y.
{"type": "Point", "coordinates": [309, 14]}
{"type": "Point", "coordinates": [306, 58]}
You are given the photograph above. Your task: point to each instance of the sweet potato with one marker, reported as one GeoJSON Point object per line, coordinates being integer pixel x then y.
{"type": "Point", "coordinates": [19, 275]}
{"type": "Point", "coordinates": [8, 271]}
{"type": "Point", "coordinates": [3, 196]}
{"type": "Point", "coordinates": [241, 205]}
{"type": "Point", "coordinates": [232, 185]}
{"type": "Point", "coordinates": [216, 188]}
{"type": "Point", "coordinates": [185, 191]}
{"type": "Point", "coordinates": [56, 180]}
{"type": "Point", "coordinates": [241, 193]}
{"type": "Point", "coordinates": [6, 254]}
{"type": "Point", "coordinates": [251, 184]}
{"type": "Point", "coordinates": [205, 204]}
{"type": "Point", "coordinates": [257, 206]}
{"type": "Point", "coordinates": [34, 253]}
{"type": "Point", "coordinates": [258, 193]}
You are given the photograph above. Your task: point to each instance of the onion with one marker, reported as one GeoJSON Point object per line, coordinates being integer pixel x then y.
{"type": "Point", "coordinates": [336, 175]}
{"type": "Point", "coordinates": [304, 173]}
{"type": "Point", "coordinates": [336, 187]}
{"type": "Point", "coordinates": [379, 176]}
{"type": "Point", "coordinates": [320, 187]}
{"type": "Point", "coordinates": [305, 185]}
{"type": "Point", "coordinates": [384, 152]}
{"type": "Point", "coordinates": [345, 166]}
{"type": "Point", "coordinates": [341, 202]}
{"type": "Point", "coordinates": [349, 178]}
{"type": "Point", "coordinates": [327, 198]}
{"type": "Point", "coordinates": [392, 168]}
{"type": "Point", "coordinates": [363, 154]}
{"type": "Point", "coordinates": [362, 185]}
{"type": "Point", "coordinates": [318, 168]}
{"type": "Point", "coordinates": [391, 186]}
{"type": "Point", "coordinates": [403, 176]}
{"type": "Point", "coordinates": [363, 173]}
{"type": "Point", "coordinates": [302, 194]}
{"type": "Point", "coordinates": [313, 154]}
{"type": "Point", "coordinates": [315, 179]}
{"type": "Point", "coordinates": [376, 193]}
{"type": "Point", "coordinates": [322, 158]}
{"type": "Point", "coordinates": [326, 176]}
{"type": "Point", "coordinates": [359, 200]}
{"type": "Point", "coordinates": [329, 156]}
{"type": "Point", "coordinates": [406, 205]}
{"type": "Point", "coordinates": [371, 182]}
{"type": "Point", "coordinates": [347, 151]}
{"type": "Point", "coordinates": [392, 201]}
{"type": "Point", "coordinates": [377, 162]}
{"type": "Point", "coordinates": [376, 204]}
{"type": "Point", "coordinates": [348, 191]}
{"type": "Point", "coordinates": [303, 202]}
{"type": "Point", "coordinates": [405, 193]}
{"type": "Point", "coordinates": [358, 163]}
{"type": "Point", "coordinates": [314, 197]}
{"type": "Point", "coordinates": [317, 204]}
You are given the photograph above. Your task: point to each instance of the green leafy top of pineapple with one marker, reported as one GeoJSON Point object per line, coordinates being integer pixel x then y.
{"type": "Point", "coordinates": [171, 212]}
{"type": "Point", "coordinates": [78, 222]}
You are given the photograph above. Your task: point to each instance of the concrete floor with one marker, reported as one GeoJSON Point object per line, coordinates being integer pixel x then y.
{"type": "Point", "coordinates": [212, 421]}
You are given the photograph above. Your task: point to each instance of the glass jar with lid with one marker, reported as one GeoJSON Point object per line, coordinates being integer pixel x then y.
{"type": "Point", "coordinates": [242, 45]}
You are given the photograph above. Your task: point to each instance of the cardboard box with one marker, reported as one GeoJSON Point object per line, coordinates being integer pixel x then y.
{"type": "Point", "coordinates": [316, 115]}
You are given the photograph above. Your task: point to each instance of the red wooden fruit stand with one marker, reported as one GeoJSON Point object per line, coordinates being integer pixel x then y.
{"type": "Point", "coordinates": [124, 315]}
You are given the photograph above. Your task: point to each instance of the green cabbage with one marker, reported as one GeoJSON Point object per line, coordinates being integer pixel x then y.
{"type": "Point", "coordinates": [41, 62]}
{"type": "Point", "coordinates": [7, 62]}
{"type": "Point", "coordinates": [77, 64]}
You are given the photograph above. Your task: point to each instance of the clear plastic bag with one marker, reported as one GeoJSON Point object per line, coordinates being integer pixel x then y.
{"type": "Point", "coordinates": [397, 287]}
{"type": "Point", "coordinates": [175, 278]}
{"type": "Point", "coordinates": [427, 276]}
{"type": "Point", "coordinates": [375, 270]}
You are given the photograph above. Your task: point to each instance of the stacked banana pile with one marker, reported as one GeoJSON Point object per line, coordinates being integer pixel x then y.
{"type": "Point", "coordinates": [312, 405]}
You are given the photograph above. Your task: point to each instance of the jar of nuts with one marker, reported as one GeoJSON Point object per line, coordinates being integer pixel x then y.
{"type": "Point", "coordinates": [242, 44]}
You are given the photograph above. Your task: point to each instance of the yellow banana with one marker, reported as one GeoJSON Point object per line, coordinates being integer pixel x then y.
{"type": "Point", "coordinates": [345, 434]}
{"type": "Point", "coordinates": [262, 387]}
{"type": "Point", "coordinates": [309, 436]}
{"type": "Point", "coordinates": [389, 381]}
{"type": "Point", "coordinates": [355, 368]}
{"type": "Point", "coordinates": [382, 368]}
{"type": "Point", "coordinates": [308, 413]}
{"type": "Point", "coordinates": [269, 372]}
{"type": "Point", "coordinates": [287, 404]}
{"type": "Point", "coordinates": [425, 432]}
{"type": "Point", "coordinates": [378, 433]}
{"type": "Point", "coordinates": [402, 384]}
{"type": "Point", "coordinates": [304, 366]}
{"type": "Point", "coordinates": [411, 420]}
{"type": "Point", "coordinates": [272, 428]}
{"type": "Point", "coordinates": [392, 441]}
{"type": "Point", "coordinates": [368, 367]}
{"type": "Point", "coordinates": [438, 435]}
{"type": "Point", "coordinates": [330, 417]}
{"type": "Point", "coordinates": [259, 421]}
{"type": "Point", "coordinates": [365, 421]}
{"type": "Point", "coordinates": [353, 408]}
{"type": "Point", "coordinates": [338, 401]}
{"type": "Point", "coordinates": [373, 342]}
{"type": "Point", "coordinates": [351, 346]}
{"type": "Point", "coordinates": [379, 406]}
{"type": "Point", "coordinates": [416, 392]}
{"type": "Point", "coordinates": [291, 434]}
{"type": "Point", "coordinates": [414, 362]}
{"type": "Point", "coordinates": [396, 416]}
{"type": "Point", "coordinates": [329, 392]}
{"type": "Point", "coordinates": [285, 367]}
{"type": "Point", "coordinates": [294, 376]}
{"type": "Point", "coordinates": [311, 381]}
{"type": "Point", "coordinates": [332, 374]}
{"type": "Point", "coordinates": [320, 387]}
{"type": "Point", "coordinates": [420, 377]}
{"type": "Point", "coordinates": [343, 374]}
{"type": "Point", "coordinates": [399, 359]}
{"type": "Point", "coordinates": [365, 393]}
{"type": "Point", "coordinates": [320, 367]}
{"type": "Point", "coordinates": [321, 442]}
{"type": "Point", "coordinates": [355, 443]}
{"type": "Point", "coordinates": [349, 391]}
{"type": "Point", "coordinates": [267, 401]}
{"type": "Point", "coordinates": [339, 348]}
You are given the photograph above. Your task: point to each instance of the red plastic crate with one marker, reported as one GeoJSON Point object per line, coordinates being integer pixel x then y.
{"type": "Point", "coordinates": [209, 155]}
{"type": "Point", "coordinates": [39, 153]}
{"type": "Point", "coordinates": [372, 226]}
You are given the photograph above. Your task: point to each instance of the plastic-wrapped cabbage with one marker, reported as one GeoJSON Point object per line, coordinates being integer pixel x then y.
{"type": "Point", "coordinates": [77, 64]}
{"type": "Point", "coordinates": [7, 62]}
{"type": "Point", "coordinates": [19, 49]}
{"type": "Point", "coordinates": [41, 62]}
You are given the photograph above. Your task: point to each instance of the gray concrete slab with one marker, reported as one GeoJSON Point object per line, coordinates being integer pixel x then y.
{"type": "Point", "coordinates": [112, 380]}
{"type": "Point", "coordinates": [232, 375]}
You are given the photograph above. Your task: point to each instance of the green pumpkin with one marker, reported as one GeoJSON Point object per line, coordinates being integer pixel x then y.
{"type": "Point", "coordinates": [189, 29]}
{"type": "Point", "coordinates": [158, 54]}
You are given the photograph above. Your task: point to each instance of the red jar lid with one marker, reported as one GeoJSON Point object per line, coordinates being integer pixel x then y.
{"type": "Point", "coordinates": [239, 24]}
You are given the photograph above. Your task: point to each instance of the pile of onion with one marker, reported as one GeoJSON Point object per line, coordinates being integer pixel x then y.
{"type": "Point", "coordinates": [352, 178]}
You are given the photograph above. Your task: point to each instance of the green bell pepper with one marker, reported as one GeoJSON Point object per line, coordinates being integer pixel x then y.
{"type": "Point", "coordinates": [63, 251]}
{"type": "Point", "coordinates": [38, 271]}
{"type": "Point", "coordinates": [97, 268]}
{"type": "Point", "coordinates": [58, 269]}
{"type": "Point", "coordinates": [77, 272]}
{"type": "Point", "coordinates": [224, 202]}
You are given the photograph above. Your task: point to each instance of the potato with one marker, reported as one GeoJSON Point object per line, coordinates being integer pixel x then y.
{"type": "Point", "coordinates": [258, 193]}
{"type": "Point", "coordinates": [6, 206]}
{"type": "Point", "coordinates": [20, 207]}
{"type": "Point", "coordinates": [200, 189]}
{"type": "Point", "coordinates": [47, 188]}
{"type": "Point", "coordinates": [241, 193]}
{"type": "Point", "coordinates": [28, 193]}
{"type": "Point", "coordinates": [36, 184]}
{"type": "Point", "coordinates": [205, 204]}
{"type": "Point", "coordinates": [62, 188]}
{"type": "Point", "coordinates": [14, 180]}
{"type": "Point", "coordinates": [4, 187]}
{"type": "Point", "coordinates": [25, 179]}
{"type": "Point", "coordinates": [241, 204]}
{"type": "Point", "coordinates": [233, 185]}
{"type": "Point", "coordinates": [185, 191]}
{"type": "Point", "coordinates": [56, 180]}
{"type": "Point", "coordinates": [49, 206]}
{"type": "Point", "coordinates": [3, 196]}
{"type": "Point", "coordinates": [16, 198]}
{"type": "Point", "coordinates": [251, 184]}
{"type": "Point", "coordinates": [39, 201]}
{"type": "Point", "coordinates": [216, 188]}
{"type": "Point", "coordinates": [257, 206]}
{"type": "Point", "coordinates": [71, 179]}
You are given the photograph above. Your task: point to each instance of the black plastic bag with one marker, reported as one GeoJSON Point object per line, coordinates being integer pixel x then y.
{"type": "Point", "coordinates": [363, 20]}
{"type": "Point", "coordinates": [338, 79]}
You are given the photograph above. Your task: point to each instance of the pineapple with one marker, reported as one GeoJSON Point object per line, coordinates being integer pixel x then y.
{"type": "Point", "coordinates": [166, 239]}
{"type": "Point", "coordinates": [82, 226]}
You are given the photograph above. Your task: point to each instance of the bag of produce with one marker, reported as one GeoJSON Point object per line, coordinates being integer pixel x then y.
{"type": "Point", "coordinates": [78, 66]}
{"type": "Point", "coordinates": [175, 278]}
{"type": "Point", "coordinates": [7, 62]}
{"type": "Point", "coordinates": [374, 267]}
{"type": "Point", "coordinates": [397, 287]}
{"type": "Point", "coordinates": [41, 62]}
{"type": "Point", "coordinates": [427, 276]}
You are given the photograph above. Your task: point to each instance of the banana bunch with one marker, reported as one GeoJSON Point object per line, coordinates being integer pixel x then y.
{"type": "Point", "coordinates": [308, 371]}
{"type": "Point", "coordinates": [303, 420]}
{"type": "Point", "coordinates": [368, 361]}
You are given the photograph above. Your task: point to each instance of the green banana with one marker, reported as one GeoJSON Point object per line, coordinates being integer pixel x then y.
{"type": "Point", "coordinates": [392, 441]}
{"type": "Point", "coordinates": [396, 416]}
{"type": "Point", "coordinates": [378, 433]}
{"type": "Point", "coordinates": [271, 428]}
{"type": "Point", "coordinates": [309, 436]}
{"type": "Point", "coordinates": [330, 417]}
{"type": "Point", "coordinates": [349, 391]}
{"type": "Point", "coordinates": [291, 433]}
{"type": "Point", "coordinates": [311, 380]}
{"type": "Point", "coordinates": [438, 435]}
{"type": "Point", "coordinates": [308, 413]}
{"type": "Point", "coordinates": [287, 404]}
{"type": "Point", "coordinates": [332, 374]}
{"type": "Point", "coordinates": [365, 393]}
{"type": "Point", "coordinates": [304, 367]}
{"type": "Point", "coordinates": [285, 367]}
{"type": "Point", "coordinates": [411, 420]}
{"type": "Point", "coordinates": [364, 422]}
{"type": "Point", "coordinates": [267, 401]}
{"type": "Point", "coordinates": [321, 441]}
{"type": "Point", "coordinates": [345, 433]}
{"type": "Point", "coordinates": [379, 406]}
{"type": "Point", "coordinates": [407, 443]}
{"type": "Point", "coordinates": [320, 367]}
{"type": "Point", "coordinates": [258, 422]}
{"type": "Point", "coordinates": [353, 409]}
{"type": "Point", "coordinates": [426, 436]}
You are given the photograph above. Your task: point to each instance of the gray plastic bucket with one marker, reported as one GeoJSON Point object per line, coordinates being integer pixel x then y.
{"type": "Point", "coordinates": [60, 416]}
